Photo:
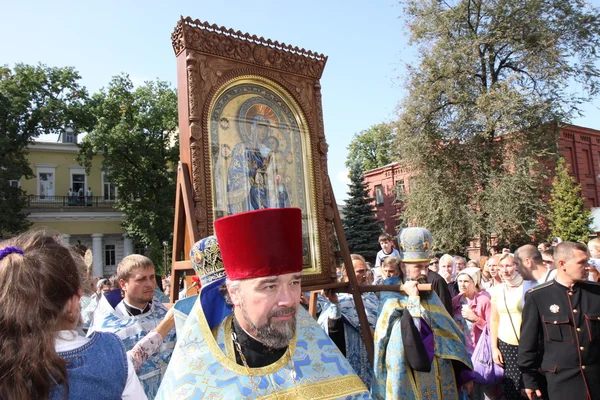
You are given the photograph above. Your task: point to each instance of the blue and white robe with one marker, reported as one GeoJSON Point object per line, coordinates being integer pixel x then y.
{"type": "Point", "coordinates": [393, 376]}
{"type": "Point", "coordinates": [203, 365]}
{"type": "Point", "coordinates": [131, 329]}
{"type": "Point", "coordinates": [356, 351]}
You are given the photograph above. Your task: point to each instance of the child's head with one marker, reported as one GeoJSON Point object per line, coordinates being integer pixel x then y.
{"type": "Point", "coordinates": [385, 241]}
{"type": "Point", "coordinates": [594, 247]}
{"type": "Point", "coordinates": [273, 143]}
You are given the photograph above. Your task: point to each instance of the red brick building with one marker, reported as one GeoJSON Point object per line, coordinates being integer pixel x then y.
{"type": "Point", "coordinates": [579, 146]}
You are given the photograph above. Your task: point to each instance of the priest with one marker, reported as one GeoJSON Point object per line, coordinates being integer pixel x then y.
{"type": "Point", "coordinates": [246, 336]}
{"type": "Point", "coordinates": [419, 349]}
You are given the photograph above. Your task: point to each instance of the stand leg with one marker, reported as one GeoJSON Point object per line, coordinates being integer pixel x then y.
{"type": "Point", "coordinates": [367, 334]}
{"type": "Point", "coordinates": [312, 305]}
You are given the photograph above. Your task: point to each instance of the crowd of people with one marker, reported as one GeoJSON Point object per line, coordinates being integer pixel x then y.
{"type": "Point", "coordinates": [535, 312]}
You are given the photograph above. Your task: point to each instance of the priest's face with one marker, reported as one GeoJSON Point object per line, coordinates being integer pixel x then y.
{"type": "Point", "coordinates": [266, 307]}
{"type": "Point", "coordinates": [139, 288]}
{"type": "Point", "coordinates": [415, 270]}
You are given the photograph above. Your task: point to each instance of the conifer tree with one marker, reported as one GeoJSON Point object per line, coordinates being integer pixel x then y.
{"type": "Point", "coordinates": [569, 220]}
{"type": "Point", "coordinates": [360, 226]}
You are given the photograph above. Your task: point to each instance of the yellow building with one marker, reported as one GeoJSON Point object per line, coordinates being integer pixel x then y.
{"type": "Point", "coordinates": [62, 197]}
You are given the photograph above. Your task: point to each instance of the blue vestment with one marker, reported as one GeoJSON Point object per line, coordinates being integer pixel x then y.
{"type": "Point", "coordinates": [356, 351]}
{"type": "Point", "coordinates": [393, 377]}
{"type": "Point", "coordinates": [204, 366]}
{"type": "Point", "coordinates": [131, 329]}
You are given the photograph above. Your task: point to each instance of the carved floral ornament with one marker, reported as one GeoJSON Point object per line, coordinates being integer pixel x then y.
{"type": "Point", "coordinates": [235, 45]}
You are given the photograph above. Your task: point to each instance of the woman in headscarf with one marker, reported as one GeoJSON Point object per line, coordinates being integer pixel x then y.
{"type": "Point", "coordinates": [448, 271]}
{"type": "Point", "coordinates": [471, 310]}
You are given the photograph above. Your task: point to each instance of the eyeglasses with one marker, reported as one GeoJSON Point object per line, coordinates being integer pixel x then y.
{"type": "Point", "coordinates": [433, 263]}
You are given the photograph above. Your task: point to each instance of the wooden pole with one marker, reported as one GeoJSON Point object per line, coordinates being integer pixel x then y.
{"type": "Point", "coordinates": [312, 303]}
{"type": "Point", "coordinates": [353, 286]}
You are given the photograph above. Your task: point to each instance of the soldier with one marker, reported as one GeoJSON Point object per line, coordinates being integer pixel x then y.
{"type": "Point", "coordinates": [565, 314]}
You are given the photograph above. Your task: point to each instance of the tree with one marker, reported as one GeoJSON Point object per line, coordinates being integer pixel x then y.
{"type": "Point", "coordinates": [483, 109]}
{"type": "Point", "coordinates": [569, 220]}
{"type": "Point", "coordinates": [360, 226]}
{"type": "Point", "coordinates": [34, 100]}
{"type": "Point", "coordinates": [136, 131]}
{"type": "Point", "coordinates": [372, 148]}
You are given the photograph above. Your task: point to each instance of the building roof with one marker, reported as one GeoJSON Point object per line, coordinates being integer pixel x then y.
{"type": "Point", "coordinates": [380, 168]}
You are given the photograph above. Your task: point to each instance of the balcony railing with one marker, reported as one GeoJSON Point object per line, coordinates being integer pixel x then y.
{"type": "Point", "coordinates": [75, 202]}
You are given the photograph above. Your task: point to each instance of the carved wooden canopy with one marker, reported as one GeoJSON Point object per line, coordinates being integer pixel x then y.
{"type": "Point", "coordinates": [214, 65]}
{"type": "Point", "coordinates": [243, 47]}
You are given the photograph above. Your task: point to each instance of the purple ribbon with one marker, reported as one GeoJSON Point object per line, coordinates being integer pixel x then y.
{"type": "Point", "coordinates": [10, 250]}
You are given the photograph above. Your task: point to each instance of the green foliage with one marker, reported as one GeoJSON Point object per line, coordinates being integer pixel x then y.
{"type": "Point", "coordinates": [135, 129]}
{"type": "Point", "coordinates": [478, 126]}
{"type": "Point", "coordinates": [360, 226]}
{"type": "Point", "coordinates": [34, 100]}
{"type": "Point", "coordinates": [569, 220]}
{"type": "Point", "coordinates": [372, 148]}
{"type": "Point", "coordinates": [446, 211]}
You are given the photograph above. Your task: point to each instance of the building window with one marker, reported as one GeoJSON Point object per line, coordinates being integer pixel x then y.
{"type": "Point", "coordinates": [78, 182]}
{"type": "Point", "coordinates": [109, 190]}
{"type": "Point", "coordinates": [110, 254]}
{"type": "Point", "coordinates": [379, 194]}
{"type": "Point", "coordinates": [69, 137]}
{"type": "Point", "coordinates": [14, 183]}
{"type": "Point", "coordinates": [400, 190]}
{"type": "Point", "coordinates": [46, 185]}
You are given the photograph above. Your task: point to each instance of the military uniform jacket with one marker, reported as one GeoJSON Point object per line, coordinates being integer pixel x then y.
{"type": "Point", "coordinates": [567, 321]}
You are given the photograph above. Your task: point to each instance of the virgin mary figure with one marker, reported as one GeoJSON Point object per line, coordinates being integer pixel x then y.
{"type": "Point", "coordinates": [246, 177]}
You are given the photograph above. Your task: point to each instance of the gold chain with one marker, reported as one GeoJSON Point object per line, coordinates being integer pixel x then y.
{"type": "Point", "coordinates": [254, 385]}
{"type": "Point", "coordinates": [239, 350]}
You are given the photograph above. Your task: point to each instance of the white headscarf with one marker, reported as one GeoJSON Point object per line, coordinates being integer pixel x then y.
{"type": "Point", "coordinates": [472, 272]}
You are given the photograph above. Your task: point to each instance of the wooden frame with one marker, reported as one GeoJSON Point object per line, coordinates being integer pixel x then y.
{"type": "Point", "coordinates": [212, 60]}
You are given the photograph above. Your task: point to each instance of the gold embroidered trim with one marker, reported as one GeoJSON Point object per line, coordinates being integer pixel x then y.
{"type": "Point", "coordinates": [439, 387]}
{"type": "Point", "coordinates": [327, 389]}
{"type": "Point", "coordinates": [227, 362]}
{"type": "Point", "coordinates": [447, 335]}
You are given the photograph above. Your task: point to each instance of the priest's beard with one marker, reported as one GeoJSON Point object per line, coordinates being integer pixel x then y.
{"type": "Point", "coordinates": [273, 334]}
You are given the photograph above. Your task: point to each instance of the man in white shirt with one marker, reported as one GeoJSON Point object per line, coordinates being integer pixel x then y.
{"type": "Point", "coordinates": [530, 264]}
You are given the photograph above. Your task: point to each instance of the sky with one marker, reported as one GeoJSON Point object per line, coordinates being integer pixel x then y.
{"type": "Point", "coordinates": [366, 43]}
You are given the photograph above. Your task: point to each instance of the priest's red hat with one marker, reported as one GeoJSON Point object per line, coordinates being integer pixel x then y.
{"type": "Point", "coordinates": [261, 243]}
